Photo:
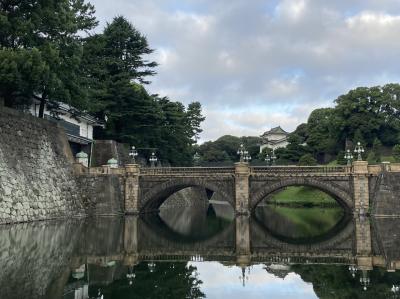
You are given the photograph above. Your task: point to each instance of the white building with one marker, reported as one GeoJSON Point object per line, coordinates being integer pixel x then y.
{"type": "Point", "coordinates": [274, 138]}
{"type": "Point", "coordinates": [77, 125]}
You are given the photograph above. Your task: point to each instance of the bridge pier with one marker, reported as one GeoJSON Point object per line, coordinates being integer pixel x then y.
{"type": "Point", "coordinates": [132, 172]}
{"type": "Point", "coordinates": [360, 187]}
{"type": "Point", "coordinates": [243, 249]}
{"type": "Point", "coordinates": [363, 243]}
{"type": "Point", "coordinates": [131, 240]}
{"type": "Point", "coordinates": [242, 174]}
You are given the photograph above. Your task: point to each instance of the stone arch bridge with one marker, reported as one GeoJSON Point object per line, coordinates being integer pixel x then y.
{"type": "Point", "coordinates": [244, 187]}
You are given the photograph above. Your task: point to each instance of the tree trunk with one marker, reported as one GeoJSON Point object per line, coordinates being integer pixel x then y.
{"type": "Point", "coordinates": [41, 108]}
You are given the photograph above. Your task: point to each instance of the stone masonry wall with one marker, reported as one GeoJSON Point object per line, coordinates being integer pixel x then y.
{"type": "Point", "coordinates": [386, 201]}
{"type": "Point", "coordinates": [36, 175]}
{"type": "Point", "coordinates": [102, 194]}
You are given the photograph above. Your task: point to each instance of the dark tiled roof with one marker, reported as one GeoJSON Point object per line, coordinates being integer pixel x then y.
{"type": "Point", "coordinates": [276, 130]}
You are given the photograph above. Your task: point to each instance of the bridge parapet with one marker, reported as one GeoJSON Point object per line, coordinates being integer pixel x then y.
{"type": "Point", "coordinates": [301, 170]}
{"type": "Point", "coordinates": [187, 171]}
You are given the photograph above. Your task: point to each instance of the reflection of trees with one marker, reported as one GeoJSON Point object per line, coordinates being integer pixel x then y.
{"type": "Point", "coordinates": [332, 281]}
{"type": "Point", "coordinates": [166, 280]}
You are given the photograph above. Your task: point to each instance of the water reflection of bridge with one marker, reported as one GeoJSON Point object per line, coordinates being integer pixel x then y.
{"type": "Point", "coordinates": [243, 242]}
{"type": "Point", "coordinates": [39, 257]}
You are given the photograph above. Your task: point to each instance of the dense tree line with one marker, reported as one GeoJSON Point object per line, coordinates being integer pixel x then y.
{"type": "Point", "coordinates": [47, 53]}
{"type": "Point", "coordinates": [370, 115]}
{"type": "Point", "coordinates": [224, 149]}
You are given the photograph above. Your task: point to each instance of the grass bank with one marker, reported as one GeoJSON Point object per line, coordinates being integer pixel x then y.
{"type": "Point", "coordinates": [302, 196]}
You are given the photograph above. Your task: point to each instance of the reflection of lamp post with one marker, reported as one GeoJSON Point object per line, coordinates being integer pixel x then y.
{"type": "Point", "coordinates": [244, 277]}
{"type": "Point", "coordinates": [359, 150]}
{"type": "Point", "coordinates": [130, 275]}
{"type": "Point", "coordinates": [152, 266]}
{"type": "Point", "coordinates": [99, 294]}
{"type": "Point", "coordinates": [395, 290]}
{"type": "Point", "coordinates": [153, 159]}
{"type": "Point", "coordinates": [349, 157]}
{"type": "Point", "coordinates": [353, 269]}
{"type": "Point", "coordinates": [132, 154]}
{"type": "Point", "coordinates": [364, 280]}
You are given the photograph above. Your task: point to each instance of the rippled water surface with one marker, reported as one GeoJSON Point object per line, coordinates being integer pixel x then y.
{"type": "Point", "coordinates": [203, 252]}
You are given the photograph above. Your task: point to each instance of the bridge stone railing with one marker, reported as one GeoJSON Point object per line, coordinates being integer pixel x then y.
{"type": "Point", "coordinates": [187, 171]}
{"type": "Point", "coordinates": [304, 170]}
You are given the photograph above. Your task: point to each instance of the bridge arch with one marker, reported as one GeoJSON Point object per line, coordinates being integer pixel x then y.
{"type": "Point", "coordinates": [154, 198]}
{"type": "Point", "coordinates": [343, 197]}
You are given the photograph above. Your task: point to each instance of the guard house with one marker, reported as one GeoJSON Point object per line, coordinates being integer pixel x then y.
{"type": "Point", "coordinates": [274, 138]}
{"type": "Point", "coordinates": [78, 125]}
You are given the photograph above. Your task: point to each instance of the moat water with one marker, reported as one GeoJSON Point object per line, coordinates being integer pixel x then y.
{"type": "Point", "coordinates": [203, 252]}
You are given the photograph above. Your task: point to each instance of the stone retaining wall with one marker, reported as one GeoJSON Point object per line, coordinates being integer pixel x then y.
{"type": "Point", "coordinates": [386, 201]}
{"type": "Point", "coordinates": [101, 194]}
{"type": "Point", "coordinates": [36, 176]}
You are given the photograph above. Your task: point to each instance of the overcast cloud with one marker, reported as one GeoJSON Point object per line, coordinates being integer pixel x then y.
{"type": "Point", "coordinates": [256, 64]}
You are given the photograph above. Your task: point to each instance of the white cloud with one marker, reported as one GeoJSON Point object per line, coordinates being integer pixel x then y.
{"type": "Point", "coordinates": [254, 65]}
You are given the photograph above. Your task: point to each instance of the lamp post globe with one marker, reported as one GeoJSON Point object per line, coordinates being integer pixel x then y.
{"type": "Point", "coordinates": [133, 154]}
{"type": "Point", "coordinates": [196, 159]}
{"type": "Point", "coordinates": [268, 159]}
{"type": "Point", "coordinates": [153, 160]}
{"type": "Point", "coordinates": [273, 157]}
{"type": "Point", "coordinates": [359, 150]}
{"type": "Point", "coordinates": [241, 152]}
{"type": "Point", "coordinates": [349, 157]}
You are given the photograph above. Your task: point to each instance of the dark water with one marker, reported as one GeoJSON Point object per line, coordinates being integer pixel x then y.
{"type": "Point", "coordinates": [280, 252]}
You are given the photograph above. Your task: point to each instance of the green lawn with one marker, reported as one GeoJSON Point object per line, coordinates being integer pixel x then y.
{"type": "Point", "coordinates": [390, 159]}
{"type": "Point", "coordinates": [301, 195]}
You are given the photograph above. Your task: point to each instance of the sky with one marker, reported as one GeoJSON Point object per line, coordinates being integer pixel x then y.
{"type": "Point", "coordinates": [225, 282]}
{"type": "Point", "coordinates": [257, 64]}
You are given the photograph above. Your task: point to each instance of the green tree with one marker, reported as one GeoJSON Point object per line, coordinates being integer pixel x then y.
{"type": "Point", "coordinates": [194, 119]}
{"type": "Point", "coordinates": [340, 158]}
{"type": "Point", "coordinates": [396, 152]}
{"type": "Point", "coordinates": [168, 280]}
{"type": "Point", "coordinates": [307, 160]}
{"type": "Point", "coordinates": [366, 113]}
{"type": "Point", "coordinates": [321, 132]}
{"type": "Point", "coordinates": [41, 51]}
{"type": "Point", "coordinates": [377, 149]}
{"type": "Point", "coordinates": [112, 61]}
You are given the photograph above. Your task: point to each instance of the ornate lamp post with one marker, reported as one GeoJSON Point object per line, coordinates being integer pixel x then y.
{"type": "Point", "coordinates": [153, 159]}
{"type": "Point", "coordinates": [349, 157]}
{"type": "Point", "coordinates": [133, 154]}
{"type": "Point", "coordinates": [268, 159]}
{"type": "Point", "coordinates": [244, 154]}
{"type": "Point", "coordinates": [273, 157]}
{"type": "Point", "coordinates": [364, 280]}
{"type": "Point", "coordinates": [196, 159]}
{"type": "Point", "coordinates": [247, 158]}
{"type": "Point", "coordinates": [359, 150]}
